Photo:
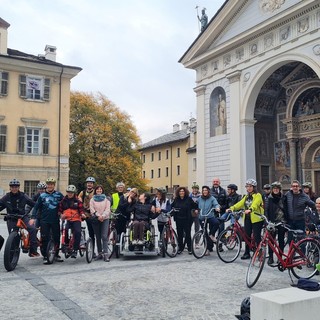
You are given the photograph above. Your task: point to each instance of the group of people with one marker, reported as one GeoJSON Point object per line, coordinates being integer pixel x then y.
{"type": "Point", "coordinates": [297, 207]}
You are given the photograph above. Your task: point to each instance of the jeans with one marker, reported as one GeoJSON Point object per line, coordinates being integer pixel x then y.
{"type": "Point", "coordinates": [296, 225]}
{"type": "Point", "coordinates": [75, 226]}
{"type": "Point", "coordinates": [48, 229]}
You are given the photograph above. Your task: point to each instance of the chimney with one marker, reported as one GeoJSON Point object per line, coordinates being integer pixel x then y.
{"type": "Point", "coordinates": [193, 123]}
{"type": "Point", "coordinates": [184, 125]}
{"type": "Point", "coordinates": [4, 25]}
{"type": "Point", "coordinates": [50, 52]}
{"type": "Point", "coordinates": [176, 127]}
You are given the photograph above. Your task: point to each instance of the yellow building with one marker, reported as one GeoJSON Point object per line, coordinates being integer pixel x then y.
{"type": "Point", "coordinates": [34, 116]}
{"type": "Point", "coordinates": [170, 160]}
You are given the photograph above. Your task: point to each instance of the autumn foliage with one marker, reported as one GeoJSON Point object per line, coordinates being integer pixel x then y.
{"type": "Point", "coordinates": [103, 143]}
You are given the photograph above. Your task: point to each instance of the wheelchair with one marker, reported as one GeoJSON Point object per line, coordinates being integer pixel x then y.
{"type": "Point", "coordinates": [150, 246]}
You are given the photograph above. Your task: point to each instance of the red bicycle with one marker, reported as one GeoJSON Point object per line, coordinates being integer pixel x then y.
{"type": "Point", "coordinates": [169, 238]}
{"type": "Point", "coordinates": [301, 257]}
{"type": "Point", "coordinates": [229, 241]}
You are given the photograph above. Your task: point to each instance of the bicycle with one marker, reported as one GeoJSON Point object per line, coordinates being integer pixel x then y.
{"type": "Point", "coordinates": [199, 242]}
{"type": "Point", "coordinates": [86, 245]}
{"type": "Point", "coordinates": [169, 238]}
{"type": "Point", "coordinates": [113, 246]}
{"type": "Point", "coordinates": [18, 240]}
{"type": "Point", "coordinates": [229, 241]}
{"type": "Point", "coordinates": [301, 258]}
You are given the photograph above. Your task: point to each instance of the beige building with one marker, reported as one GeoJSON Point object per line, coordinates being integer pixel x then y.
{"type": "Point", "coordinates": [34, 116]}
{"type": "Point", "coordinates": [170, 160]}
{"type": "Point", "coordinates": [257, 80]}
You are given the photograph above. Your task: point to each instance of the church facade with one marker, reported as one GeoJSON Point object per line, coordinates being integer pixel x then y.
{"type": "Point", "coordinates": [257, 69]}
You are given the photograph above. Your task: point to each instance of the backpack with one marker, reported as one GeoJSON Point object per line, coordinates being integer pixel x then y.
{"type": "Point", "coordinates": [307, 284]}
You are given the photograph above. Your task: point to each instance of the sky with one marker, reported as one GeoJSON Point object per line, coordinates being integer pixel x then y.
{"type": "Point", "coordinates": [128, 50]}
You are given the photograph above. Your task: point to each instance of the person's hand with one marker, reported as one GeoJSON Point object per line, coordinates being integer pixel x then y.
{"type": "Point", "coordinates": [100, 218]}
{"type": "Point", "coordinates": [158, 210]}
{"type": "Point", "coordinates": [248, 211]}
{"type": "Point", "coordinates": [63, 216]}
{"type": "Point", "coordinates": [83, 216]}
{"type": "Point", "coordinates": [218, 209]}
{"type": "Point", "coordinates": [228, 210]}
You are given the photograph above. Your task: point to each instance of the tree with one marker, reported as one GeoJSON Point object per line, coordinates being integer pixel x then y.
{"type": "Point", "coordinates": [103, 143]}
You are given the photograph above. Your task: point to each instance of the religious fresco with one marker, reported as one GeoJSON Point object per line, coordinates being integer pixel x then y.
{"type": "Point", "coordinates": [282, 155]}
{"type": "Point", "coordinates": [308, 103]}
{"type": "Point", "coordinates": [218, 112]}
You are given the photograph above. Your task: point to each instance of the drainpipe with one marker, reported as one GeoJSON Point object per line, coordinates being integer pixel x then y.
{"type": "Point", "coordinates": [59, 129]}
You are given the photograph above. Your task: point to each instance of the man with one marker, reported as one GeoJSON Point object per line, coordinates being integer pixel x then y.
{"type": "Point", "coordinates": [48, 205]}
{"type": "Point", "coordinates": [232, 198]}
{"type": "Point", "coordinates": [15, 202]}
{"type": "Point", "coordinates": [221, 195]}
{"type": "Point", "coordinates": [295, 203]}
{"type": "Point", "coordinates": [195, 195]}
{"type": "Point", "coordinates": [85, 196]}
{"type": "Point", "coordinates": [266, 192]}
{"type": "Point", "coordinates": [116, 196]}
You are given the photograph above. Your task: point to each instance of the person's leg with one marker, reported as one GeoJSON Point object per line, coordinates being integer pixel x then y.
{"type": "Point", "coordinates": [141, 230]}
{"type": "Point", "coordinates": [76, 230]}
{"type": "Point", "coordinates": [187, 230]}
{"type": "Point", "coordinates": [55, 229]}
{"type": "Point", "coordinates": [180, 235]}
{"type": "Point", "coordinates": [104, 235]}
{"type": "Point", "coordinates": [45, 237]}
{"type": "Point", "coordinates": [97, 235]}
{"type": "Point", "coordinates": [281, 234]}
{"type": "Point", "coordinates": [135, 229]}
{"type": "Point", "coordinates": [91, 233]}
{"type": "Point", "coordinates": [33, 236]}
{"type": "Point", "coordinates": [248, 231]}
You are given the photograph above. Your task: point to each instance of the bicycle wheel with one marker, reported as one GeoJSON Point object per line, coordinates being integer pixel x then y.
{"type": "Point", "coordinates": [50, 252]}
{"type": "Point", "coordinates": [199, 244]}
{"type": "Point", "coordinates": [89, 250]}
{"type": "Point", "coordinates": [228, 245]}
{"type": "Point", "coordinates": [169, 241]}
{"type": "Point", "coordinates": [12, 251]}
{"type": "Point", "coordinates": [305, 257]}
{"type": "Point", "coordinates": [112, 242]}
{"type": "Point", "coordinates": [256, 266]}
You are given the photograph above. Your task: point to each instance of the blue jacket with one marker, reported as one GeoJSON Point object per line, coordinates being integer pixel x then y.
{"type": "Point", "coordinates": [48, 203]}
{"type": "Point", "coordinates": [205, 205]}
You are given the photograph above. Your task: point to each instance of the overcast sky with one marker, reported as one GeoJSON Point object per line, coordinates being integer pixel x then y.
{"type": "Point", "coordinates": [128, 50]}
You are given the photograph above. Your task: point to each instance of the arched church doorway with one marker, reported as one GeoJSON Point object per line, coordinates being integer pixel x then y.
{"type": "Point", "coordinates": [287, 128]}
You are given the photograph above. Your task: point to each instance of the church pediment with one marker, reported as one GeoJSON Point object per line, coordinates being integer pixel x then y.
{"type": "Point", "coordinates": [240, 22]}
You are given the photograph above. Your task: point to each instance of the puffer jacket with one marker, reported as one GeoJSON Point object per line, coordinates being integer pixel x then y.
{"type": "Point", "coordinates": [71, 208]}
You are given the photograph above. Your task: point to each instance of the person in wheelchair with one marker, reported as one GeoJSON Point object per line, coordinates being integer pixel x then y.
{"type": "Point", "coordinates": [71, 209]}
{"type": "Point", "coordinates": [143, 211]}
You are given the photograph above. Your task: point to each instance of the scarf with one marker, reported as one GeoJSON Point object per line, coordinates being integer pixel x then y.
{"type": "Point", "coordinates": [99, 197]}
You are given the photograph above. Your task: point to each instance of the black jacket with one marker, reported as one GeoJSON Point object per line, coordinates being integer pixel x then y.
{"type": "Point", "coordinates": [273, 206]}
{"type": "Point", "coordinates": [221, 198]}
{"type": "Point", "coordinates": [142, 211]}
{"type": "Point", "coordinates": [185, 206]}
{"type": "Point", "coordinates": [15, 203]}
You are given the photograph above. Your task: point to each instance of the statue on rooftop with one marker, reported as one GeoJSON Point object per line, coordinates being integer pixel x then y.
{"type": "Point", "coordinates": [203, 19]}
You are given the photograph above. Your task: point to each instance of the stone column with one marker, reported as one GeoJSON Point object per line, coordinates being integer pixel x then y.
{"type": "Point", "coordinates": [200, 92]}
{"type": "Point", "coordinates": [234, 128]}
{"type": "Point", "coordinates": [293, 158]}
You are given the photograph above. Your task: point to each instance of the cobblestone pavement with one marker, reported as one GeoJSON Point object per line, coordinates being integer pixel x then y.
{"type": "Point", "coordinates": [129, 288]}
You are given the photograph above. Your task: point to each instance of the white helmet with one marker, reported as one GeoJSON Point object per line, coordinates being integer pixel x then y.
{"type": "Point", "coordinates": [251, 182]}
{"type": "Point", "coordinates": [71, 188]}
{"type": "Point", "coordinates": [91, 179]}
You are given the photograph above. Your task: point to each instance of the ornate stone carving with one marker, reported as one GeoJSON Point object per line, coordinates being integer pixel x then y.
{"type": "Point", "coordinates": [303, 25]}
{"type": "Point", "coordinates": [253, 49]}
{"type": "Point", "coordinates": [246, 77]}
{"type": "Point", "coordinates": [268, 6]}
{"type": "Point", "coordinates": [227, 60]}
{"type": "Point", "coordinates": [268, 41]}
{"type": "Point", "coordinates": [285, 33]}
{"type": "Point", "coordinates": [204, 70]}
{"type": "Point", "coordinates": [239, 54]}
{"type": "Point", "coordinates": [316, 49]}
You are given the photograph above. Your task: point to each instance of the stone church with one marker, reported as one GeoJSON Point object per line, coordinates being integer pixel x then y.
{"type": "Point", "coordinates": [257, 66]}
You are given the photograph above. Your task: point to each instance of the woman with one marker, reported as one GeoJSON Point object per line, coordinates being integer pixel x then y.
{"type": "Point", "coordinates": [100, 211]}
{"type": "Point", "coordinates": [162, 205]}
{"type": "Point", "coordinates": [274, 210]}
{"type": "Point", "coordinates": [143, 212]}
{"type": "Point", "coordinates": [252, 202]}
{"type": "Point", "coordinates": [183, 218]}
{"type": "Point", "coordinates": [206, 203]}
{"type": "Point", "coordinates": [71, 209]}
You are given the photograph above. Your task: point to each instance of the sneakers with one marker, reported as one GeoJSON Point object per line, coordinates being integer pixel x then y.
{"type": "Point", "coordinates": [189, 251]}
{"type": "Point", "coordinates": [74, 254]}
{"type": "Point", "coordinates": [134, 242]}
{"type": "Point", "coordinates": [179, 251]}
{"type": "Point", "coordinates": [270, 261]}
{"type": "Point", "coordinates": [98, 257]}
{"type": "Point", "coordinates": [220, 247]}
{"type": "Point", "coordinates": [207, 253]}
{"type": "Point", "coordinates": [246, 256]}
{"type": "Point", "coordinates": [106, 258]}
{"type": "Point", "coordinates": [57, 258]}
{"type": "Point", "coordinates": [34, 254]}
{"type": "Point", "coordinates": [140, 242]}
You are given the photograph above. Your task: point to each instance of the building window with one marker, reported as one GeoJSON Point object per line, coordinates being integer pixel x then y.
{"type": "Point", "coordinates": [167, 154]}
{"type": "Point", "coordinates": [152, 156]}
{"type": "Point", "coordinates": [30, 187]}
{"type": "Point", "coordinates": [33, 140]}
{"type": "Point", "coordinates": [143, 174]}
{"type": "Point", "coordinates": [265, 175]}
{"type": "Point", "coordinates": [34, 88]}
{"type": "Point", "coordinates": [4, 76]}
{"type": "Point", "coordinates": [3, 138]}
{"type": "Point", "coordinates": [282, 128]}
{"type": "Point", "coordinates": [194, 164]}
{"type": "Point", "coordinates": [178, 170]}
{"type": "Point", "coordinates": [167, 171]}
{"type": "Point", "coordinates": [144, 158]}
{"type": "Point", "coordinates": [159, 172]}
{"type": "Point", "coordinates": [151, 174]}
{"type": "Point", "coordinates": [178, 152]}
{"type": "Point", "coordinates": [159, 155]}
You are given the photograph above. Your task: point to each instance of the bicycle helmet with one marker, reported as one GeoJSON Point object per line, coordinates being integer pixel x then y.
{"type": "Point", "coordinates": [307, 185]}
{"type": "Point", "coordinates": [195, 186]}
{"type": "Point", "coordinates": [91, 179]}
{"type": "Point", "coordinates": [251, 182]}
{"type": "Point", "coordinates": [245, 306]}
{"type": "Point", "coordinates": [14, 183]}
{"type": "Point", "coordinates": [232, 186]}
{"type": "Point", "coordinates": [41, 185]}
{"type": "Point", "coordinates": [120, 184]}
{"type": "Point", "coordinates": [71, 188]}
{"type": "Point", "coordinates": [51, 180]}
{"type": "Point", "coordinates": [267, 186]}
{"type": "Point", "coordinates": [276, 184]}
{"type": "Point", "coordinates": [162, 190]}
